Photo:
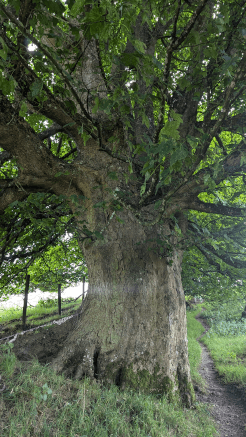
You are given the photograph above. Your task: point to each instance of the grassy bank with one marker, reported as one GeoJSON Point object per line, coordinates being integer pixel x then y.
{"type": "Point", "coordinates": [38, 402]}
{"type": "Point", "coordinates": [44, 312]}
{"type": "Point", "coordinates": [226, 340]}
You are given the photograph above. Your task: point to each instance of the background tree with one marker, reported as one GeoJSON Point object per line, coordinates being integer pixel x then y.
{"type": "Point", "coordinates": [121, 112]}
{"type": "Point", "coordinates": [46, 249]}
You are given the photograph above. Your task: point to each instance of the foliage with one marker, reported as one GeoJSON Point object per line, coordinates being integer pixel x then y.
{"type": "Point", "coordinates": [226, 329]}
{"type": "Point", "coordinates": [46, 250]}
{"type": "Point", "coordinates": [230, 310]}
{"type": "Point", "coordinates": [48, 303]}
{"type": "Point", "coordinates": [226, 319]}
{"type": "Point", "coordinates": [156, 87]}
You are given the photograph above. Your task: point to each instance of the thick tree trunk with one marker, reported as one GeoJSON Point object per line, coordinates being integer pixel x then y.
{"type": "Point", "coordinates": [132, 330]}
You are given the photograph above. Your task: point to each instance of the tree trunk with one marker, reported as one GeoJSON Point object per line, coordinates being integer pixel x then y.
{"type": "Point", "coordinates": [59, 299]}
{"type": "Point", "coordinates": [132, 330]}
{"type": "Point", "coordinates": [25, 302]}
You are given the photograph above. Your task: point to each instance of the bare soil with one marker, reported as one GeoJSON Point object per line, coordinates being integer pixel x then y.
{"type": "Point", "coordinates": [228, 400]}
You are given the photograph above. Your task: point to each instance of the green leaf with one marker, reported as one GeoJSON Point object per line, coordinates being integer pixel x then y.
{"type": "Point", "coordinates": [119, 219]}
{"type": "Point", "coordinates": [36, 87]}
{"type": "Point", "coordinates": [145, 120]}
{"type": "Point", "coordinates": [95, 108]}
{"type": "Point", "coordinates": [7, 86]}
{"type": "Point", "coordinates": [171, 127]}
{"type": "Point", "coordinates": [178, 155]}
{"type": "Point", "coordinates": [140, 46]}
{"type": "Point", "coordinates": [130, 169]}
{"type": "Point", "coordinates": [98, 235]}
{"type": "Point", "coordinates": [4, 50]}
{"type": "Point", "coordinates": [23, 109]}
{"type": "Point", "coordinates": [112, 175]}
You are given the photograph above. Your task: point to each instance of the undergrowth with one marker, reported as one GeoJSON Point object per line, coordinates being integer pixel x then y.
{"type": "Point", "coordinates": [38, 402]}
{"type": "Point", "coordinates": [226, 339]}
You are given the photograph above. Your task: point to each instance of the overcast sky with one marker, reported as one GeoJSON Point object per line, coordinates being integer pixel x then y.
{"type": "Point", "coordinates": [33, 298]}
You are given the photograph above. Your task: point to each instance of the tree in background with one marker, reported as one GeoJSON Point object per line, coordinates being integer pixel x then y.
{"type": "Point", "coordinates": [46, 250]}
{"type": "Point", "coordinates": [128, 115]}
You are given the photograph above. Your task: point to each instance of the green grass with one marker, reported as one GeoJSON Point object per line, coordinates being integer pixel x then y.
{"type": "Point", "coordinates": [226, 340]}
{"type": "Point", "coordinates": [33, 312]}
{"type": "Point", "coordinates": [194, 329]}
{"type": "Point", "coordinates": [10, 317]}
{"type": "Point", "coordinates": [38, 402]}
{"type": "Point", "coordinates": [229, 355]}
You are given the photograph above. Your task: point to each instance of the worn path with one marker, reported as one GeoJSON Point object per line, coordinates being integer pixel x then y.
{"type": "Point", "coordinates": [229, 401]}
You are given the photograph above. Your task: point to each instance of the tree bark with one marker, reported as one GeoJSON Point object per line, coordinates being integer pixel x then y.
{"type": "Point", "coordinates": [59, 299]}
{"type": "Point", "coordinates": [132, 330]}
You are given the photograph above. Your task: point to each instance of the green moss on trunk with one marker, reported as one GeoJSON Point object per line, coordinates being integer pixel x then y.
{"type": "Point", "coordinates": [146, 382]}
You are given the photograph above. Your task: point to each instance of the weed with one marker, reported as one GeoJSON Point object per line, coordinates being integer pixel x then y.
{"type": "Point", "coordinates": [8, 358]}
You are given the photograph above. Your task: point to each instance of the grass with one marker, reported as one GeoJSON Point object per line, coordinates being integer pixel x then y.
{"type": "Point", "coordinates": [40, 403]}
{"type": "Point", "coordinates": [12, 317]}
{"type": "Point", "coordinates": [226, 340]}
{"type": "Point", "coordinates": [229, 354]}
{"type": "Point", "coordinates": [194, 329]}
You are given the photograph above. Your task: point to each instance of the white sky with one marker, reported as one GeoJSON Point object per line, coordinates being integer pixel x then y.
{"type": "Point", "coordinates": [33, 298]}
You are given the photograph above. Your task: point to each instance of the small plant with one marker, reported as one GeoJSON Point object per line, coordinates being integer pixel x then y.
{"type": "Point", "coordinates": [47, 303]}
{"type": "Point", "coordinates": [224, 328]}
{"type": "Point", "coordinates": [45, 392]}
{"type": "Point", "coordinates": [8, 359]}
{"type": "Point", "coordinates": [233, 357]}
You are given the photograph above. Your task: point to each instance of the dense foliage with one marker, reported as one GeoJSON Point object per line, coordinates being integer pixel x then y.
{"type": "Point", "coordinates": [176, 69]}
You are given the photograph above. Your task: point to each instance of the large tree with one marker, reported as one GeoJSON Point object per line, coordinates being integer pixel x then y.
{"type": "Point", "coordinates": [122, 111]}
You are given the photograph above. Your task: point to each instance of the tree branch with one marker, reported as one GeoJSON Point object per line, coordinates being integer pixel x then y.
{"type": "Point", "coordinates": [60, 70]}
{"type": "Point", "coordinates": [211, 208]}
{"type": "Point", "coordinates": [52, 130]}
{"type": "Point", "coordinates": [212, 262]}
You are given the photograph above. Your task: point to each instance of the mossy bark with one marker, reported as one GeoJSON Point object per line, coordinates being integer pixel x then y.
{"type": "Point", "coordinates": [132, 329]}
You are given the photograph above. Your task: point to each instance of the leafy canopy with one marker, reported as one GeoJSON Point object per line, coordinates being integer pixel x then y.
{"type": "Point", "coordinates": [159, 87]}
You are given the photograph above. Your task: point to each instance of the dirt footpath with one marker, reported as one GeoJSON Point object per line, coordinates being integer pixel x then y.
{"type": "Point", "coordinates": [228, 400]}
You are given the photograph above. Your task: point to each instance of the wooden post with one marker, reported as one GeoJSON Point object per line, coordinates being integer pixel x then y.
{"type": "Point", "coordinates": [83, 295]}
{"type": "Point", "coordinates": [25, 302]}
{"type": "Point", "coordinates": [59, 299]}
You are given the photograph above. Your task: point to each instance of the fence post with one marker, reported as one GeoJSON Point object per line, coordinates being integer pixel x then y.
{"type": "Point", "coordinates": [59, 299]}
{"type": "Point", "coordinates": [83, 295]}
{"type": "Point", "coordinates": [25, 302]}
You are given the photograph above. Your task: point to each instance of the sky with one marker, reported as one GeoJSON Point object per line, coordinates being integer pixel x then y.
{"type": "Point", "coordinates": [33, 298]}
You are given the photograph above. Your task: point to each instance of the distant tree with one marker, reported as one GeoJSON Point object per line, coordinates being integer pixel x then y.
{"type": "Point", "coordinates": [46, 249]}
{"type": "Point", "coordinates": [123, 121]}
